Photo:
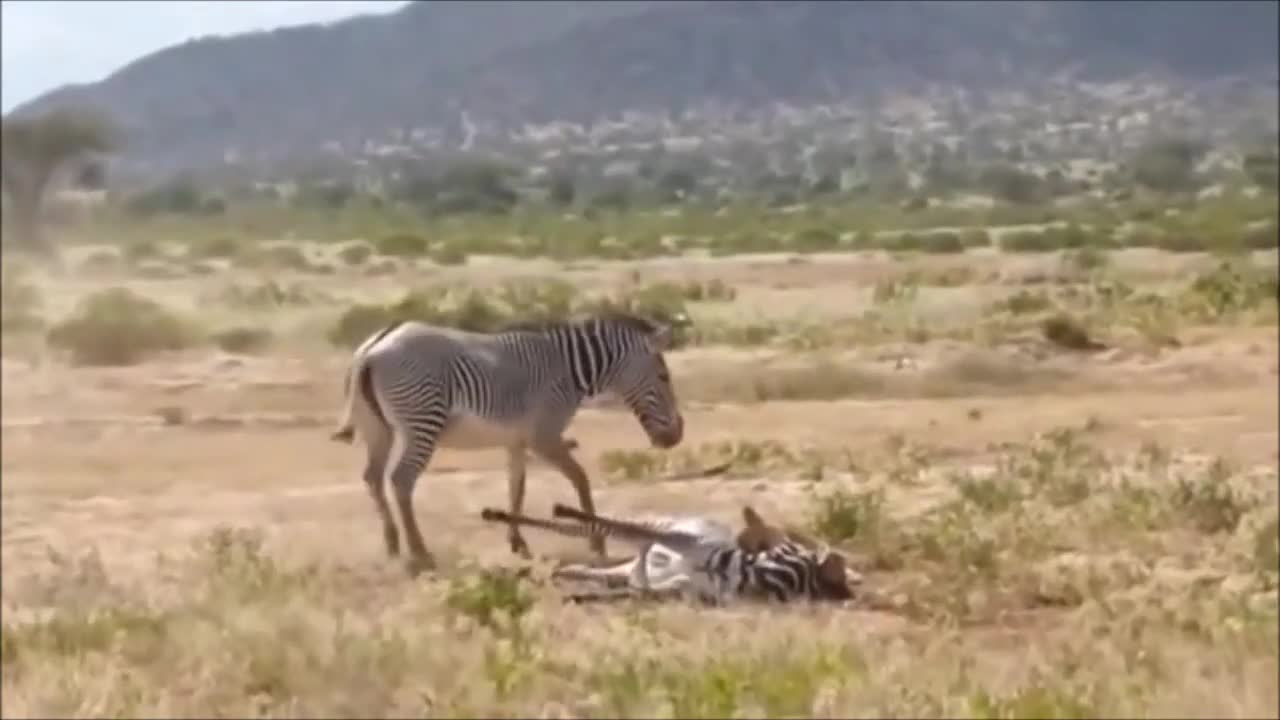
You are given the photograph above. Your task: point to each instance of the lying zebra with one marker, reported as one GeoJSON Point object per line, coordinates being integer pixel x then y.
{"type": "Point", "coordinates": [700, 557]}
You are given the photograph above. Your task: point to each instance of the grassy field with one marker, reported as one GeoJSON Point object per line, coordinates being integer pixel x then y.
{"type": "Point", "coordinates": [1054, 462]}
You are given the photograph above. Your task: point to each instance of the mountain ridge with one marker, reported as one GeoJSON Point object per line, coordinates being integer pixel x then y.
{"type": "Point", "coordinates": [509, 63]}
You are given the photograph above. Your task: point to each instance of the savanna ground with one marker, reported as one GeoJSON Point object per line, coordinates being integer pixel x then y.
{"type": "Point", "coordinates": [1046, 529]}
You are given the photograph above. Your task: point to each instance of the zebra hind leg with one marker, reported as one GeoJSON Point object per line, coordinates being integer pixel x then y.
{"type": "Point", "coordinates": [410, 462]}
{"type": "Point", "coordinates": [375, 482]}
{"type": "Point", "coordinates": [378, 443]}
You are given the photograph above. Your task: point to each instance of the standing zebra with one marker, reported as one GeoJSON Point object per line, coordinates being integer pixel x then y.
{"type": "Point", "coordinates": [413, 387]}
{"type": "Point", "coordinates": [762, 563]}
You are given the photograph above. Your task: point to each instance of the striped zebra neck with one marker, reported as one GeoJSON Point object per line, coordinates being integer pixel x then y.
{"type": "Point", "coordinates": [782, 573]}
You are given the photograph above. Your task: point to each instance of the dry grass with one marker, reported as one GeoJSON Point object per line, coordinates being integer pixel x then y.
{"type": "Point", "coordinates": [1060, 586]}
{"type": "Point", "coordinates": [181, 540]}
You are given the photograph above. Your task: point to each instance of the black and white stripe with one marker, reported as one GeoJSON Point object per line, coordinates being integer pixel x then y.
{"type": "Point", "coordinates": [413, 387]}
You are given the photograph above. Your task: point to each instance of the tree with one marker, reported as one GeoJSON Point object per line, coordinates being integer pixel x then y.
{"type": "Point", "coordinates": [1261, 167]}
{"type": "Point", "coordinates": [676, 184]}
{"type": "Point", "coordinates": [1011, 184]}
{"type": "Point", "coordinates": [560, 188]}
{"type": "Point", "coordinates": [34, 150]}
{"type": "Point", "coordinates": [1168, 165]}
{"type": "Point", "coordinates": [91, 176]}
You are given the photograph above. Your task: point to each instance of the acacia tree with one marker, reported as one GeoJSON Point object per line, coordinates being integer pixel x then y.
{"type": "Point", "coordinates": [33, 151]}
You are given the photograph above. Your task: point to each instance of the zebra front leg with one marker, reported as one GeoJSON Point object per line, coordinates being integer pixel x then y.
{"type": "Point", "coordinates": [557, 454]}
{"type": "Point", "coordinates": [515, 498]}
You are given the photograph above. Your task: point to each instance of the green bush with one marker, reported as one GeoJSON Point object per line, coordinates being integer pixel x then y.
{"type": "Point", "coordinates": [401, 245]}
{"type": "Point", "coordinates": [355, 253]}
{"type": "Point", "coordinates": [283, 257]}
{"type": "Point", "coordinates": [20, 300]}
{"type": "Point", "coordinates": [243, 340]}
{"type": "Point", "coordinates": [1230, 288]}
{"type": "Point", "coordinates": [814, 240]}
{"type": "Point", "coordinates": [942, 243]}
{"type": "Point", "coordinates": [1266, 237]}
{"type": "Point", "coordinates": [222, 246]}
{"type": "Point", "coordinates": [1027, 241]}
{"type": "Point", "coordinates": [448, 254]}
{"type": "Point", "coordinates": [118, 327]}
{"type": "Point", "coordinates": [136, 251]}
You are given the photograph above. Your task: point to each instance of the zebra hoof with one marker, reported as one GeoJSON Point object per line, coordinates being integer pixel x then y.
{"type": "Point", "coordinates": [520, 548]}
{"type": "Point", "coordinates": [418, 565]}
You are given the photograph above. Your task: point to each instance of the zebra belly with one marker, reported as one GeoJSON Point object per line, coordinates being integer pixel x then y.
{"type": "Point", "coordinates": [466, 430]}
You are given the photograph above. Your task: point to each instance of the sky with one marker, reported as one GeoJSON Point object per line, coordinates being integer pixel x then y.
{"type": "Point", "coordinates": [45, 44]}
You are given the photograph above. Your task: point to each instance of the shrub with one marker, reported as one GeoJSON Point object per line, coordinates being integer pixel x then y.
{"type": "Point", "coordinates": [942, 242]}
{"type": "Point", "coordinates": [448, 254]}
{"type": "Point", "coordinates": [814, 240]}
{"type": "Point", "coordinates": [139, 250]}
{"type": "Point", "coordinates": [488, 595]}
{"type": "Point", "coordinates": [242, 340]}
{"type": "Point", "coordinates": [20, 300]}
{"type": "Point", "coordinates": [222, 246]}
{"type": "Point", "coordinates": [1025, 241]}
{"type": "Point", "coordinates": [402, 245]}
{"type": "Point", "coordinates": [284, 257]}
{"type": "Point", "coordinates": [118, 327]}
{"type": "Point", "coordinates": [1265, 237]}
{"type": "Point", "coordinates": [1064, 331]}
{"type": "Point", "coordinates": [101, 260]}
{"type": "Point", "coordinates": [841, 515]}
{"type": "Point", "coordinates": [269, 294]}
{"type": "Point", "coordinates": [355, 253]}
{"type": "Point", "coordinates": [1025, 302]}
{"type": "Point", "coordinates": [1230, 288]}
{"type": "Point", "coordinates": [976, 238]}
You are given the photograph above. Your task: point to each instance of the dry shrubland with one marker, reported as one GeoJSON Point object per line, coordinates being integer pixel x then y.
{"type": "Point", "coordinates": [227, 568]}
{"type": "Point", "coordinates": [1141, 585]}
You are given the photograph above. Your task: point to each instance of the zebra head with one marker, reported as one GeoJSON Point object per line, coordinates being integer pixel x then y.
{"type": "Point", "coordinates": [641, 379]}
{"type": "Point", "coordinates": [834, 579]}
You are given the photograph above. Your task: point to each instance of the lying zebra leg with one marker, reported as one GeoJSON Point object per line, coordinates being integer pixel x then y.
{"type": "Point", "coordinates": [582, 598]}
{"type": "Point", "coordinates": [515, 498]}
{"type": "Point", "coordinates": [631, 532]}
{"type": "Point", "coordinates": [557, 453]}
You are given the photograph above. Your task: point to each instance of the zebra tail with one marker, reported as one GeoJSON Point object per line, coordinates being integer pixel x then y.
{"type": "Point", "coordinates": [358, 372]}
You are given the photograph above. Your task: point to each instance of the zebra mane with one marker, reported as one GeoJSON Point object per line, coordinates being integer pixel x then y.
{"type": "Point", "coordinates": [610, 316]}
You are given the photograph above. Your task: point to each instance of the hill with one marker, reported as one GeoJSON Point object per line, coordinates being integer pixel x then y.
{"type": "Point", "coordinates": [504, 64]}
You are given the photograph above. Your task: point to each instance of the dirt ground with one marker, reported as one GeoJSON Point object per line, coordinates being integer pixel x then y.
{"type": "Point", "coordinates": [88, 462]}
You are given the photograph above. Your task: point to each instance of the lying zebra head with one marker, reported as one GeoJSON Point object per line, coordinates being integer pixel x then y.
{"type": "Point", "coordinates": [640, 376]}
{"type": "Point", "coordinates": [833, 579]}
